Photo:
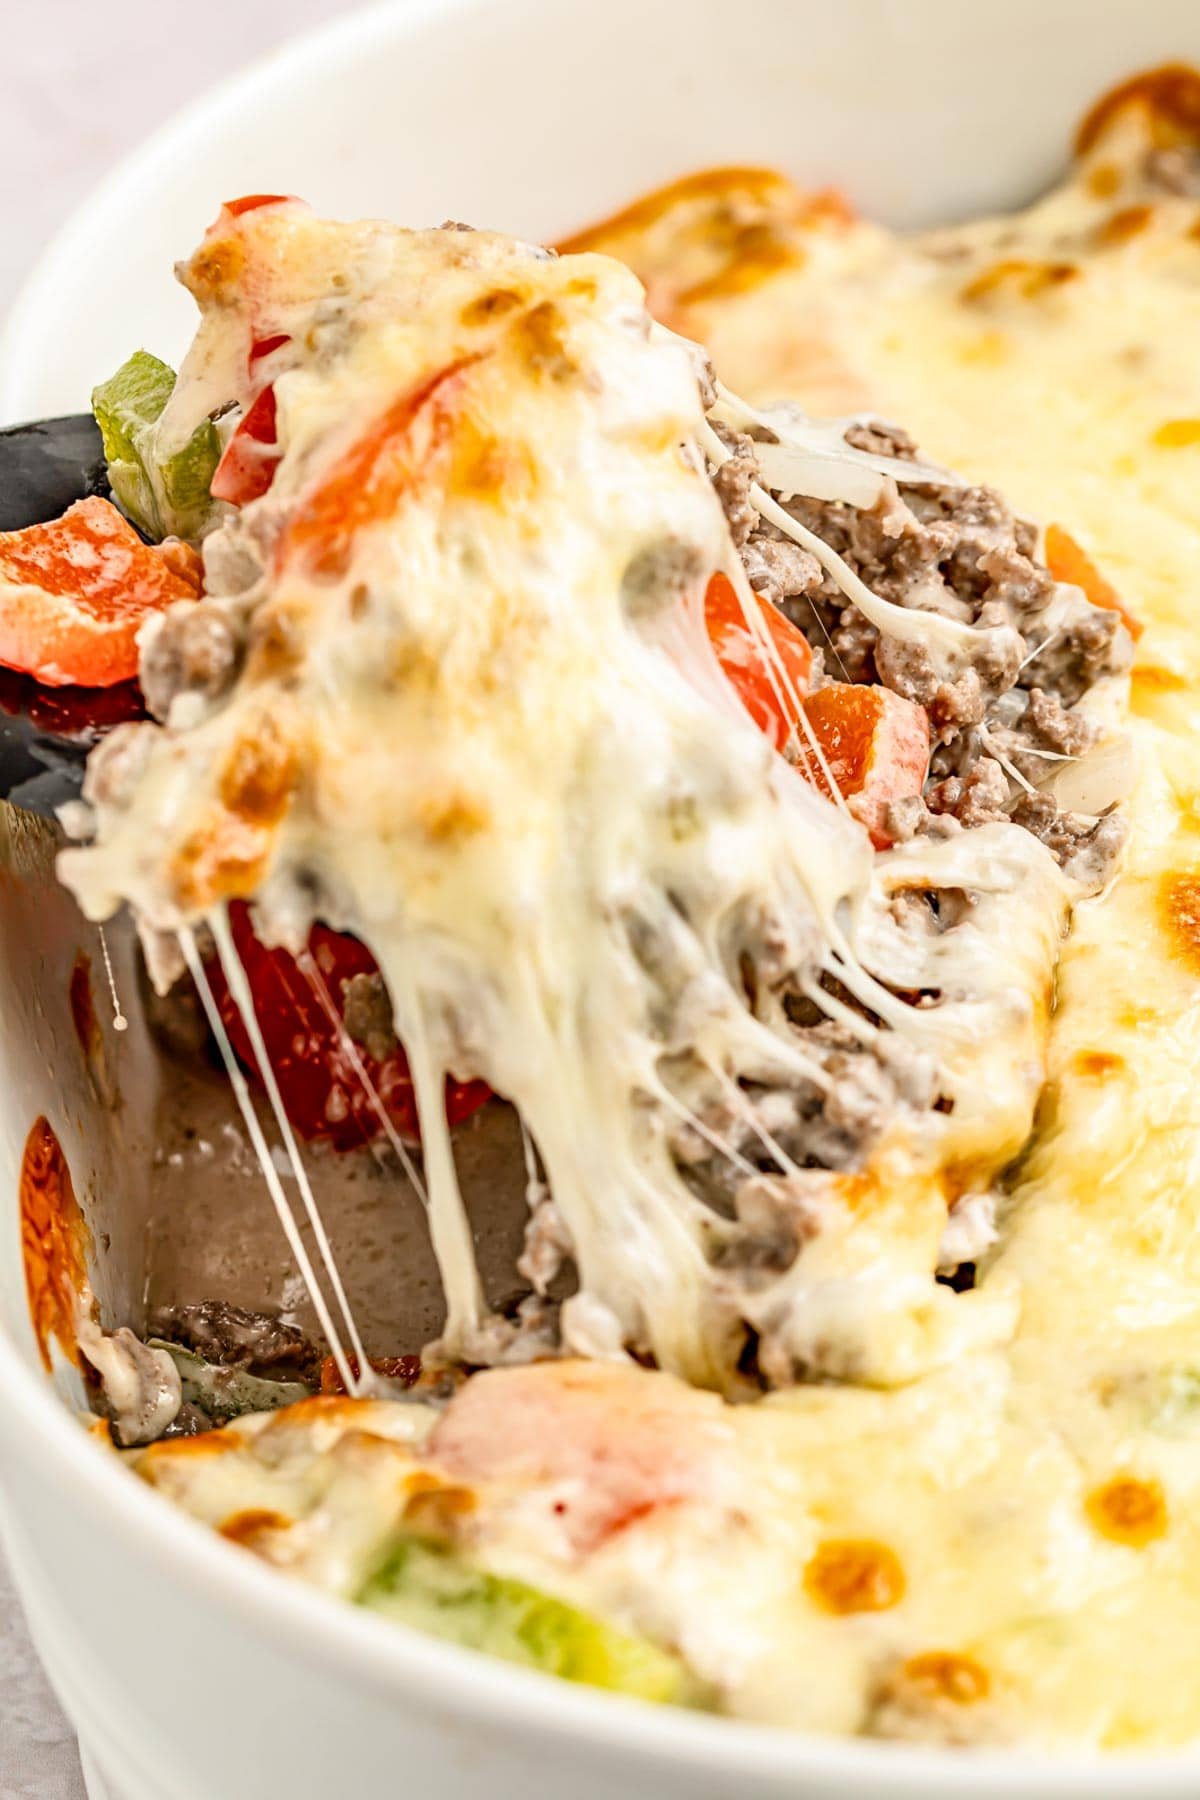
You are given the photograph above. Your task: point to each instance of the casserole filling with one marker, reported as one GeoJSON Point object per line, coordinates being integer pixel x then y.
{"type": "Point", "coordinates": [713, 782]}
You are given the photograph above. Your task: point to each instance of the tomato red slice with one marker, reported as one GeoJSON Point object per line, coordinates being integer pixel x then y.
{"type": "Point", "coordinates": [740, 652]}
{"type": "Point", "coordinates": [322, 1091]}
{"type": "Point", "coordinates": [369, 481]}
{"type": "Point", "coordinates": [73, 594]}
{"type": "Point", "coordinates": [875, 745]}
{"type": "Point", "coordinates": [247, 466]}
{"type": "Point", "coordinates": [252, 202]}
{"type": "Point", "coordinates": [404, 1369]}
{"type": "Point", "coordinates": [1069, 561]}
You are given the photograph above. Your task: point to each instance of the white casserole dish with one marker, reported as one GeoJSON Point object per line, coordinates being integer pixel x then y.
{"type": "Point", "coordinates": [192, 1672]}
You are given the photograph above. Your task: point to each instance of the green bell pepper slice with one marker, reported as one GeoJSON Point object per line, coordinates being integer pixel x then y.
{"type": "Point", "coordinates": [163, 496]}
{"type": "Point", "coordinates": [439, 1592]}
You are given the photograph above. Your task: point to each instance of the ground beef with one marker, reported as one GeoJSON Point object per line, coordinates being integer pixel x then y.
{"type": "Point", "coordinates": [195, 650]}
{"type": "Point", "coordinates": [658, 574]}
{"type": "Point", "coordinates": [912, 670]}
{"type": "Point", "coordinates": [1006, 713]}
{"type": "Point", "coordinates": [235, 1338]}
{"type": "Point", "coordinates": [778, 569]}
{"type": "Point", "coordinates": [733, 481]}
{"type": "Point", "coordinates": [1076, 649]}
{"type": "Point", "coordinates": [881, 439]}
{"type": "Point", "coordinates": [367, 1015]}
{"type": "Point", "coordinates": [1054, 728]}
{"type": "Point", "coordinates": [1086, 848]}
{"type": "Point", "coordinates": [834, 1126]}
{"type": "Point", "coordinates": [979, 797]}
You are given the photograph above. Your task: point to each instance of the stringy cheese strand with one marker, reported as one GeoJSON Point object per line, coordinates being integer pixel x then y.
{"type": "Point", "coordinates": [239, 987]}
{"type": "Point", "coordinates": [449, 1228]}
{"type": "Point", "coordinates": [349, 1048]}
{"type": "Point", "coordinates": [909, 624]}
{"type": "Point", "coordinates": [291, 1232]}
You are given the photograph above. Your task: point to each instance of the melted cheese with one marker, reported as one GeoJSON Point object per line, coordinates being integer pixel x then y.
{"type": "Point", "coordinates": [465, 732]}
{"type": "Point", "coordinates": [1006, 1549]}
{"type": "Point", "coordinates": [1043, 1503]}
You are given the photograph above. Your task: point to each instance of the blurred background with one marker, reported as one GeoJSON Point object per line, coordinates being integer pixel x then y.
{"type": "Point", "coordinates": [85, 83]}
{"type": "Point", "coordinates": [82, 85]}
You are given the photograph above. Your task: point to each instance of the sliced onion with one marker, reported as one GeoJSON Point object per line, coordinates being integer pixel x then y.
{"type": "Point", "coordinates": [1100, 779]}
{"type": "Point", "coordinates": [787, 470]}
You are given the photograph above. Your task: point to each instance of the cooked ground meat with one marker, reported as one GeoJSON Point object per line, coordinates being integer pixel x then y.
{"type": "Point", "coordinates": [658, 575]}
{"type": "Point", "coordinates": [1086, 848]}
{"type": "Point", "coordinates": [195, 650]}
{"type": "Point", "coordinates": [733, 481]}
{"type": "Point", "coordinates": [1067, 733]}
{"type": "Point", "coordinates": [1075, 646]}
{"type": "Point", "coordinates": [235, 1338]}
{"type": "Point", "coordinates": [778, 569]}
{"type": "Point", "coordinates": [1003, 716]}
{"type": "Point", "coordinates": [979, 797]}
{"type": "Point", "coordinates": [880, 438]}
{"type": "Point", "coordinates": [367, 1015]}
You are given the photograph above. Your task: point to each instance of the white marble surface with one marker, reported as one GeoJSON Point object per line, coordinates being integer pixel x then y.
{"type": "Point", "coordinates": [82, 85]}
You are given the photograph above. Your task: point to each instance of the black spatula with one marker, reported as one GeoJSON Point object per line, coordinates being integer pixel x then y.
{"type": "Point", "coordinates": [46, 732]}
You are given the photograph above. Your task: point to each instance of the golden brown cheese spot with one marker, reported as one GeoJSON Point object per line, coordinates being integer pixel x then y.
{"type": "Point", "coordinates": [436, 1508]}
{"type": "Point", "coordinates": [317, 1409]}
{"type": "Point", "coordinates": [938, 1675]}
{"type": "Point", "coordinates": [702, 197]}
{"type": "Point", "coordinates": [445, 817]}
{"type": "Point", "coordinates": [276, 647]}
{"type": "Point", "coordinates": [540, 341]}
{"type": "Point", "coordinates": [1177, 434]}
{"type": "Point", "coordinates": [261, 772]}
{"type": "Point", "coordinates": [1104, 181]}
{"type": "Point", "coordinates": [187, 1449]}
{"type": "Point", "coordinates": [1179, 905]}
{"type": "Point", "coordinates": [714, 234]}
{"type": "Point", "coordinates": [757, 251]}
{"type": "Point", "coordinates": [853, 1575]}
{"type": "Point", "coordinates": [1128, 223]}
{"type": "Point", "coordinates": [54, 1240]}
{"type": "Point", "coordinates": [490, 306]}
{"type": "Point", "coordinates": [222, 860]}
{"type": "Point", "coordinates": [1168, 98]}
{"type": "Point", "coordinates": [1017, 277]}
{"type": "Point", "coordinates": [489, 468]}
{"type": "Point", "coordinates": [247, 1527]}
{"type": "Point", "coordinates": [1096, 1065]}
{"type": "Point", "coordinates": [215, 272]}
{"type": "Point", "coordinates": [1127, 1510]}
{"type": "Point", "coordinates": [1151, 679]}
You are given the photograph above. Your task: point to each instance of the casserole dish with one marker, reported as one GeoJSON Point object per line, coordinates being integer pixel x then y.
{"type": "Point", "coordinates": [133, 1609]}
